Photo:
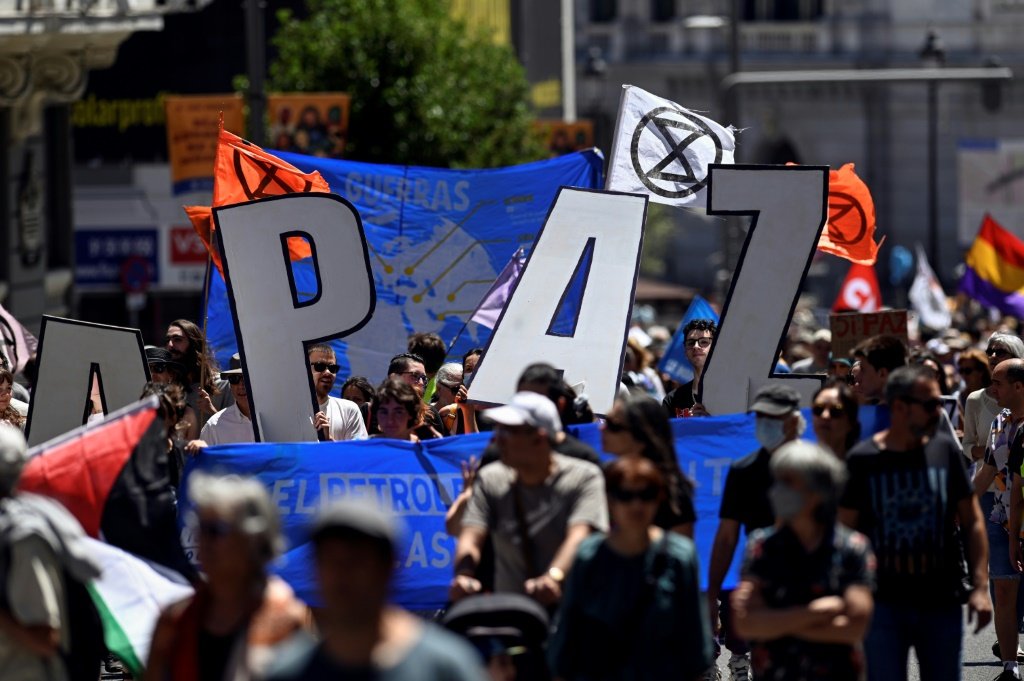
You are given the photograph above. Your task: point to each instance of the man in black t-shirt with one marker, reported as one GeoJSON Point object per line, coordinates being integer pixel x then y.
{"type": "Point", "coordinates": [698, 335]}
{"type": "Point", "coordinates": [745, 504]}
{"type": "Point", "coordinates": [907, 489]}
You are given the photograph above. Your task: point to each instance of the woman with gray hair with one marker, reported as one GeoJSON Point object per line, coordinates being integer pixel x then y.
{"type": "Point", "coordinates": [239, 615]}
{"type": "Point", "coordinates": [804, 599]}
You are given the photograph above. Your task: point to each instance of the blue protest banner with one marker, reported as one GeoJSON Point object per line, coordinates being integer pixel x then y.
{"type": "Point", "coordinates": [418, 482]}
{"type": "Point", "coordinates": [674, 362]}
{"type": "Point", "coordinates": [437, 240]}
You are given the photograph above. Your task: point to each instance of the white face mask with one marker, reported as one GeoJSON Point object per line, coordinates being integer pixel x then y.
{"type": "Point", "coordinates": [769, 432]}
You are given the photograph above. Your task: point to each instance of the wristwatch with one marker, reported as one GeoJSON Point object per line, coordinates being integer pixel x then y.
{"type": "Point", "coordinates": [556, 574]}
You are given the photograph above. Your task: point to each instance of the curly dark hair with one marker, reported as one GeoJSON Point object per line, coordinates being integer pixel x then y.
{"type": "Point", "coordinates": [700, 325]}
{"type": "Point", "coordinates": [361, 384]}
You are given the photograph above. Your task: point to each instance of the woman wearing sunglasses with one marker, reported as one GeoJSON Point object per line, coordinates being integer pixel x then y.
{"type": "Point", "coordinates": [638, 427]}
{"type": "Point", "coordinates": [980, 408]}
{"type": "Point", "coordinates": [632, 607]}
{"type": "Point", "coordinates": [804, 598]}
{"type": "Point", "coordinates": [834, 417]}
{"type": "Point", "coordinates": [239, 616]}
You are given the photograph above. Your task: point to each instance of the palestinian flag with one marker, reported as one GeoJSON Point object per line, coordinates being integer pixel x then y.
{"type": "Point", "coordinates": [129, 595]}
{"type": "Point", "coordinates": [113, 477]}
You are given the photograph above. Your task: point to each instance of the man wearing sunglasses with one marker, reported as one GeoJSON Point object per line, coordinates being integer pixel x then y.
{"type": "Point", "coordinates": [337, 419]}
{"type": "Point", "coordinates": [698, 336]}
{"type": "Point", "coordinates": [908, 490]}
{"type": "Point", "coordinates": [234, 422]}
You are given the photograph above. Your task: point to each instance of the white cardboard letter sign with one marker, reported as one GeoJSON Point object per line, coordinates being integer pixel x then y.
{"type": "Point", "coordinates": [610, 226]}
{"type": "Point", "coordinates": [71, 353]}
{"type": "Point", "coordinates": [789, 207]}
{"type": "Point", "coordinates": [272, 325]}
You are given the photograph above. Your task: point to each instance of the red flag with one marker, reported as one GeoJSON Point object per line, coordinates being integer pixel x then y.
{"type": "Point", "coordinates": [860, 291]}
{"type": "Point", "coordinates": [245, 172]}
{"type": "Point", "coordinates": [850, 232]}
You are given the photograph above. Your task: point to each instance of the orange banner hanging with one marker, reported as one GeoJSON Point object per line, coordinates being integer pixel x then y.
{"type": "Point", "coordinates": [245, 172]}
{"type": "Point", "coordinates": [850, 232]}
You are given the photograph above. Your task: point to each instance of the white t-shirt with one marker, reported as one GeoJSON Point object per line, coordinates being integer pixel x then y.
{"type": "Point", "coordinates": [227, 426]}
{"type": "Point", "coordinates": [346, 419]}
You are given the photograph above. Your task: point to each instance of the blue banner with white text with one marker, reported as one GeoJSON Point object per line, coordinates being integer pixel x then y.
{"type": "Point", "coordinates": [417, 482]}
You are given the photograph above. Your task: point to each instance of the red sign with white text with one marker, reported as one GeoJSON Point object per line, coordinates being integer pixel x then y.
{"type": "Point", "coordinates": [186, 247]}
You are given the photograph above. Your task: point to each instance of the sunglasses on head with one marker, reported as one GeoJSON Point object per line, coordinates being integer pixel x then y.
{"type": "Point", "coordinates": [157, 367]}
{"type": "Point", "coordinates": [832, 409]}
{"type": "Point", "coordinates": [324, 366]}
{"type": "Point", "coordinates": [649, 493]}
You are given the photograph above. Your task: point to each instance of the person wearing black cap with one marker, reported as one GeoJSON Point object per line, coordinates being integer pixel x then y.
{"type": "Point", "coordinates": [362, 637]}
{"type": "Point", "coordinates": [745, 503]}
{"type": "Point", "coordinates": [233, 423]}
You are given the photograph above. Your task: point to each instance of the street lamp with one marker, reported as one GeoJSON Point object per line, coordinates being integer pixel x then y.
{"type": "Point", "coordinates": [933, 55]}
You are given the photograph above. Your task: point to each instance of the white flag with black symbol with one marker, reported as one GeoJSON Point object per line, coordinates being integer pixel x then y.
{"type": "Point", "coordinates": [927, 297]}
{"type": "Point", "coordinates": [663, 150]}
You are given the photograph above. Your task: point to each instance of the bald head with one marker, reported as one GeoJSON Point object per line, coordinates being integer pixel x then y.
{"type": "Point", "coordinates": [1008, 385]}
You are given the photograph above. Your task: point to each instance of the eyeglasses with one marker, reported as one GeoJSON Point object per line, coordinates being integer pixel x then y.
{"type": "Point", "coordinates": [832, 409]}
{"type": "Point", "coordinates": [234, 379]}
{"type": "Point", "coordinates": [215, 529]}
{"type": "Point", "coordinates": [324, 366]}
{"type": "Point", "coordinates": [613, 426]}
{"type": "Point", "coordinates": [997, 352]}
{"type": "Point", "coordinates": [418, 377]}
{"type": "Point", "coordinates": [157, 367]}
{"type": "Point", "coordinates": [175, 338]}
{"type": "Point", "coordinates": [694, 342]}
{"type": "Point", "coordinates": [647, 494]}
{"type": "Point", "coordinates": [931, 404]}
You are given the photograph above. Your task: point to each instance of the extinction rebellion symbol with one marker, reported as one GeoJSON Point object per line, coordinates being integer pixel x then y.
{"type": "Point", "coordinates": [696, 143]}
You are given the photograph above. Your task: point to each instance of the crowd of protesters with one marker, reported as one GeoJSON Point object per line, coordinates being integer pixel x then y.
{"type": "Point", "coordinates": [860, 546]}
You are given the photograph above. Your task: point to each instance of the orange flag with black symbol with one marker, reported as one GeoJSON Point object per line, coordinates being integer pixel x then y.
{"type": "Point", "coordinates": [850, 232]}
{"type": "Point", "coordinates": [245, 172]}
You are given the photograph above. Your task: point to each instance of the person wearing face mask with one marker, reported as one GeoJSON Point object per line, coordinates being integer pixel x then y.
{"type": "Point", "coordinates": [908, 491]}
{"type": "Point", "coordinates": [804, 597]}
{"type": "Point", "coordinates": [745, 504]}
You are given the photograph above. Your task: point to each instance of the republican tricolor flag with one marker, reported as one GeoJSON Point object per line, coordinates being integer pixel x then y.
{"type": "Point", "coordinates": [994, 275]}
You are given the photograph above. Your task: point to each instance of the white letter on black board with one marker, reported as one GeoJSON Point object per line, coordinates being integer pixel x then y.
{"type": "Point", "coordinates": [273, 327]}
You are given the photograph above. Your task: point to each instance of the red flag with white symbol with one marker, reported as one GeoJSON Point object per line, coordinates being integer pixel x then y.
{"type": "Point", "coordinates": [860, 291]}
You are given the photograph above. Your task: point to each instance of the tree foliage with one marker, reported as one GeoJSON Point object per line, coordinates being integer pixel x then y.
{"type": "Point", "coordinates": [425, 89]}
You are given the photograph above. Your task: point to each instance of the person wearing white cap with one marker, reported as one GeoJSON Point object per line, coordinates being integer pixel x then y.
{"type": "Point", "coordinates": [536, 505]}
{"type": "Point", "coordinates": [821, 351]}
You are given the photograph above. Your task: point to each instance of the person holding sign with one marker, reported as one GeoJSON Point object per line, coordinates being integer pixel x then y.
{"type": "Point", "coordinates": [699, 334]}
{"type": "Point", "coordinates": [337, 419]}
{"type": "Point", "coordinates": [536, 505]}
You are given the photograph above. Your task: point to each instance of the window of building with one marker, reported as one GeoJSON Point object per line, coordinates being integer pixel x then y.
{"type": "Point", "coordinates": [603, 11]}
{"type": "Point", "coordinates": [783, 10]}
{"type": "Point", "coordinates": [663, 10]}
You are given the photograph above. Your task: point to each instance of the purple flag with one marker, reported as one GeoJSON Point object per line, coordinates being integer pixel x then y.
{"type": "Point", "coordinates": [489, 309]}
